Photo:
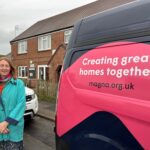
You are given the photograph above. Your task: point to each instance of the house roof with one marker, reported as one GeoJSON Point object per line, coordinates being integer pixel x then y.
{"type": "Point", "coordinates": [67, 19]}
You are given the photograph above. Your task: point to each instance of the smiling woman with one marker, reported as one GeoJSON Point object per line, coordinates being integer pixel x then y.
{"type": "Point", "coordinates": [4, 69]}
{"type": "Point", "coordinates": [12, 107]}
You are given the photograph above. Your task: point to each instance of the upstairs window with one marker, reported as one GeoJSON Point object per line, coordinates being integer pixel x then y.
{"type": "Point", "coordinates": [22, 47]}
{"type": "Point", "coordinates": [44, 42]}
{"type": "Point", "coordinates": [67, 35]}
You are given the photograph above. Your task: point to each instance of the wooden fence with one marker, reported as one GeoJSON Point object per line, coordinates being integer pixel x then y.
{"type": "Point", "coordinates": [46, 88]}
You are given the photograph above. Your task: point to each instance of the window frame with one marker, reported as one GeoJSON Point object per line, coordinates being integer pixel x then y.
{"type": "Point", "coordinates": [22, 47]}
{"type": "Point", "coordinates": [44, 42]}
{"type": "Point", "coordinates": [23, 68]}
{"type": "Point", "coordinates": [67, 34]}
{"type": "Point", "coordinates": [44, 76]}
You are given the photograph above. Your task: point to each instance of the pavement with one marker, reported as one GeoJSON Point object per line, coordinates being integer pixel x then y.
{"type": "Point", "coordinates": [47, 110]}
{"type": "Point", "coordinates": [36, 144]}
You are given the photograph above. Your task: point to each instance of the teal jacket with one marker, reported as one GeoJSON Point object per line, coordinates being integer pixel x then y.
{"type": "Point", "coordinates": [12, 107]}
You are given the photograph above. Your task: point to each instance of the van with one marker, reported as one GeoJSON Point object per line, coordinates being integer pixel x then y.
{"type": "Point", "coordinates": [103, 100]}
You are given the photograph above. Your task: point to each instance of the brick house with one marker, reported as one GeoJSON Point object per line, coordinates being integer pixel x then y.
{"type": "Point", "coordinates": [38, 52]}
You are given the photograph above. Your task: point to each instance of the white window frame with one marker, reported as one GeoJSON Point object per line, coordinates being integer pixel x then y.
{"type": "Point", "coordinates": [23, 68]}
{"type": "Point", "coordinates": [44, 42]}
{"type": "Point", "coordinates": [22, 47]}
{"type": "Point", "coordinates": [42, 66]}
{"type": "Point", "coordinates": [67, 34]}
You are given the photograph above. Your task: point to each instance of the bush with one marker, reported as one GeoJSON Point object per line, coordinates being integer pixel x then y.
{"type": "Point", "coordinates": [46, 91]}
{"type": "Point", "coordinates": [44, 97]}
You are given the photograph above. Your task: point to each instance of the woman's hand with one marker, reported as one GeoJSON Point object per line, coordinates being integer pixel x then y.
{"type": "Point", "coordinates": [3, 127]}
{"type": "Point", "coordinates": [6, 131]}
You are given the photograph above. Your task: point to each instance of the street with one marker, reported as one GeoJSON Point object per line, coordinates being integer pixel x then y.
{"type": "Point", "coordinates": [39, 134]}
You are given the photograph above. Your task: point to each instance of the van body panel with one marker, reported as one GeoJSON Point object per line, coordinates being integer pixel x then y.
{"type": "Point", "coordinates": [106, 80]}
{"type": "Point", "coordinates": [92, 85]}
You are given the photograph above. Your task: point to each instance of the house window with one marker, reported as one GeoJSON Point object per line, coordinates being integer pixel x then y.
{"type": "Point", "coordinates": [22, 71]}
{"type": "Point", "coordinates": [67, 35]}
{"type": "Point", "coordinates": [44, 42]}
{"type": "Point", "coordinates": [22, 47]}
{"type": "Point", "coordinates": [43, 72]}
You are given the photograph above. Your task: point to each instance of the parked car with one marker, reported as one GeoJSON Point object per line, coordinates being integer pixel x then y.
{"type": "Point", "coordinates": [31, 103]}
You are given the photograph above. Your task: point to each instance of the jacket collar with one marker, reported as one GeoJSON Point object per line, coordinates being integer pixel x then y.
{"type": "Point", "coordinates": [13, 81]}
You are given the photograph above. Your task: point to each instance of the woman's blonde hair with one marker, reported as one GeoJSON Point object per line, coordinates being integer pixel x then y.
{"type": "Point", "coordinates": [12, 69]}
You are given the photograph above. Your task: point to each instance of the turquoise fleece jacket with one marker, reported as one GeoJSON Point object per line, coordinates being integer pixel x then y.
{"type": "Point", "coordinates": [12, 107]}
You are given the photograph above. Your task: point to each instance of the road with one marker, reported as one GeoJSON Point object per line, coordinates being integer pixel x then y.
{"type": "Point", "coordinates": [39, 134]}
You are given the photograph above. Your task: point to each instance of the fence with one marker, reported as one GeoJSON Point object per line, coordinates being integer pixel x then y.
{"type": "Point", "coordinates": [46, 90]}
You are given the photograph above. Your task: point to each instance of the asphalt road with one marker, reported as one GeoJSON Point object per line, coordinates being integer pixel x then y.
{"type": "Point", "coordinates": [39, 134]}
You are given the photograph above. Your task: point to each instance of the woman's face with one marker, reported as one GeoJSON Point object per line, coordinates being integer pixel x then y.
{"type": "Point", "coordinates": [4, 68]}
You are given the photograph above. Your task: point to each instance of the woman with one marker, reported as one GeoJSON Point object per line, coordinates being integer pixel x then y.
{"type": "Point", "coordinates": [12, 107]}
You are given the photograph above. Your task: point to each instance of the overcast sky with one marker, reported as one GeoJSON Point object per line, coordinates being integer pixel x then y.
{"type": "Point", "coordinates": [21, 14]}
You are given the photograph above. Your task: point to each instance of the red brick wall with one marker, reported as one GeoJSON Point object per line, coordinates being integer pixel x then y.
{"type": "Point", "coordinates": [55, 63]}
{"type": "Point", "coordinates": [58, 39]}
{"type": "Point", "coordinates": [39, 57]}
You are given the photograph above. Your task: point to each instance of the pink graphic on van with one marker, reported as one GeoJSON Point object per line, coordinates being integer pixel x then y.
{"type": "Point", "coordinates": [114, 78]}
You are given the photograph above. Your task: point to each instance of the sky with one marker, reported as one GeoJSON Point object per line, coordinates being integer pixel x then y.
{"type": "Point", "coordinates": [18, 15]}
